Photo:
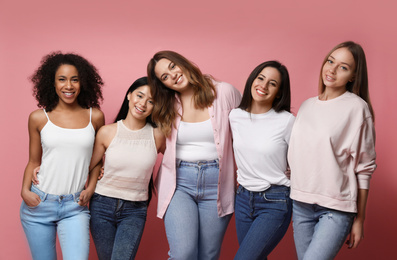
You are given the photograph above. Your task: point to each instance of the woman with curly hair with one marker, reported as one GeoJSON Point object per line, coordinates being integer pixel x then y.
{"type": "Point", "coordinates": [61, 138]}
{"type": "Point", "coordinates": [196, 183]}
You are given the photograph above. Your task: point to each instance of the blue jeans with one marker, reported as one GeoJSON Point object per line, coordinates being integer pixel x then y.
{"type": "Point", "coordinates": [56, 213]}
{"type": "Point", "coordinates": [319, 232]}
{"type": "Point", "coordinates": [262, 219]}
{"type": "Point", "coordinates": [117, 226]}
{"type": "Point", "coordinates": [194, 229]}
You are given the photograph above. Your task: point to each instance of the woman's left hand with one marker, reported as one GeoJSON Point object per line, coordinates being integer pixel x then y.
{"type": "Point", "coordinates": [356, 234]}
{"type": "Point", "coordinates": [85, 197]}
{"type": "Point", "coordinates": [35, 180]}
{"type": "Point", "coordinates": [288, 172]}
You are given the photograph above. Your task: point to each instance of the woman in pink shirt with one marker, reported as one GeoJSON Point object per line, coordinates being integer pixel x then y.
{"type": "Point", "coordinates": [196, 181]}
{"type": "Point", "coordinates": [332, 157]}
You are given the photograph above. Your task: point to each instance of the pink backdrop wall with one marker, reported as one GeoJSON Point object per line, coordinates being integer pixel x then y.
{"type": "Point", "coordinates": [225, 39]}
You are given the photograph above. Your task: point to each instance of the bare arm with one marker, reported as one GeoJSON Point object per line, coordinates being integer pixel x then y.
{"type": "Point", "coordinates": [160, 140]}
{"type": "Point", "coordinates": [102, 141]}
{"type": "Point", "coordinates": [35, 121]}
{"type": "Point", "coordinates": [357, 232]}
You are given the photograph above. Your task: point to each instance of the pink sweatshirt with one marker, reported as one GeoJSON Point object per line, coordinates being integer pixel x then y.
{"type": "Point", "coordinates": [332, 152]}
{"type": "Point", "coordinates": [227, 98]}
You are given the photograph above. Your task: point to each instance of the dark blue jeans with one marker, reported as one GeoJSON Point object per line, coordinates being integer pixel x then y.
{"type": "Point", "coordinates": [262, 219]}
{"type": "Point", "coordinates": [117, 226]}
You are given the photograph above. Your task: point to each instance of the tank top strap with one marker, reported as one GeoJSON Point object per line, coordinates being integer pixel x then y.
{"type": "Point", "coordinates": [46, 114]}
{"type": "Point", "coordinates": [119, 127]}
{"type": "Point", "coordinates": [90, 113]}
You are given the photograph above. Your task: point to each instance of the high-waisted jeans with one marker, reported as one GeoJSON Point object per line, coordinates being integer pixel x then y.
{"type": "Point", "coordinates": [319, 232]}
{"type": "Point", "coordinates": [56, 214]}
{"type": "Point", "coordinates": [262, 219]}
{"type": "Point", "coordinates": [117, 226]}
{"type": "Point", "coordinates": [194, 229]}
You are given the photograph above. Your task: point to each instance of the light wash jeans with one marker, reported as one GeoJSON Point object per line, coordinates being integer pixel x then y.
{"type": "Point", "coordinates": [194, 230]}
{"type": "Point", "coordinates": [319, 232]}
{"type": "Point", "coordinates": [117, 226]}
{"type": "Point", "coordinates": [54, 214]}
{"type": "Point", "coordinates": [262, 219]}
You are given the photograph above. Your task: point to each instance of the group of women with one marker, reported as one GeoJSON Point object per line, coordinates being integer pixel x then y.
{"type": "Point", "coordinates": [314, 168]}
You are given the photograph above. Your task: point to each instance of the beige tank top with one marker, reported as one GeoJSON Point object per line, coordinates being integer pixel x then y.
{"type": "Point", "coordinates": [129, 162]}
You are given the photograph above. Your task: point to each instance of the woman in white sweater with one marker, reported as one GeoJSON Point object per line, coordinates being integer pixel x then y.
{"type": "Point", "coordinates": [261, 128]}
{"type": "Point", "coordinates": [332, 157]}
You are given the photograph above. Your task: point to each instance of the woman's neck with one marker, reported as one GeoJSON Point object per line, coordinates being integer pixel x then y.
{"type": "Point", "coordinates": [257, 108]}
{"type": "Point", "coordinates": [331, 93]}
{"type": "Point", "coordinates": [134, 124]}
{"type": "Point", "coordinates": [67, 107]}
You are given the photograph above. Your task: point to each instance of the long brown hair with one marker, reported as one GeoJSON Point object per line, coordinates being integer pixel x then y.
{"type": "Point", "coordinates": [359, 85]}
{"type": "Point", "coordinates": [164, 113]}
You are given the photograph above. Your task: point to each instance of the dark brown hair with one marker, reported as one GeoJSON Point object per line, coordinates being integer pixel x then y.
{"type": "Point", "coordinates": [164, 113]}
{"type": "Point", "coordinates": [283, 98]}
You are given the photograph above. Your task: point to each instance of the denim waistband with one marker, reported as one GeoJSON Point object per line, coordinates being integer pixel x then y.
{"type": "Point", "coordinates": [272, 188]}
{"type": "Point", "coordinates": [46, 196]}
{"type": "Point", "coordinates": [197, 163]}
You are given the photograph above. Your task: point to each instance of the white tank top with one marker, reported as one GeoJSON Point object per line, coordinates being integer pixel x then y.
{"type": "Point", "coordinates": [66, 158]}
{"type": "Point", "coordinates": [195, 142]}
{"type": "Point", "coordinates": [129, 163]}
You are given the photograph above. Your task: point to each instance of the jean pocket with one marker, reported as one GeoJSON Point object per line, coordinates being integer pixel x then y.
{"type": "Point", "coordinates": [239, 189]}
{"type": "Point", "coordinates": [140, 204]}
{"type": "Point", "coordinates": [95, 196]}
{"type": "Point", "coordinates": [275, 197]}
{"type": "Point", "coordinates": [34, 207]}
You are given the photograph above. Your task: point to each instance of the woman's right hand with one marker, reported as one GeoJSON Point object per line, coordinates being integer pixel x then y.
{"type": "Point", "coordinates": [36, 170]}
{"type": "Point", "coordinates": [101, 173]}
{"type": "Point", "coordinates": [30, 198]}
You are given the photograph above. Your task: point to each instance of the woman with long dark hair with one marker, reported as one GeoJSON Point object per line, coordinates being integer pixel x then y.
{"type": "Point", "coordinates": [261, 128]}
{"type": "Point", "coordinates": [119, 205]}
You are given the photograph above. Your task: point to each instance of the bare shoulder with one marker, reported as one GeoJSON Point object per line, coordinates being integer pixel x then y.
{"type": "Point", "coordinates": [108, 130]}
{"type": "Point", "coordinates": [37, 119]}
{"type": "Point", "coordinates": [106, 134]}
{"type": "Point", "coordinates": [98, 118]}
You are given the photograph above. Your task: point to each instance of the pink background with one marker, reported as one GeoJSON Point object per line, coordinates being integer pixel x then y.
{"type": "Point", "coordinates": [225, 39]}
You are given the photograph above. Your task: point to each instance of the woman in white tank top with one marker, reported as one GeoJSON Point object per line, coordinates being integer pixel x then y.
{"type": "Point", "coordinates": [196, 183]}
{"type": "Point", "coordinates": [61, 138]}
{"type": "Point", "coordinates": [119, 205]}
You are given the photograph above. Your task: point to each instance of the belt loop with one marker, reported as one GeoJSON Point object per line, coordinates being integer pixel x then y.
{"type": "Point", "coordinates": [178, 162]}
{"type": "Point", "coordinates": [44, 197]}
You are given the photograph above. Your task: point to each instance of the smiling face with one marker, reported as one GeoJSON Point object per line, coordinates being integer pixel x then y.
{"type": "Point", "coordinates": [67, 84]}
{"type": "Point", "coordinates": [265, 88]}
{"type": "Point", "coordinates": [140, 102]}
{"type": "Point", "coordinates": [339, 69]}
{"type": "Point", "coordinates": [171, 75]}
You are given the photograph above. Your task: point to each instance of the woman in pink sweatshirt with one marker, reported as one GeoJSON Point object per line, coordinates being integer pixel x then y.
{"type": "Point", "coordinates": [332, 157]}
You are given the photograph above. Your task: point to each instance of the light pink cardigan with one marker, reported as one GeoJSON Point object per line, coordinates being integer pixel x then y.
{"type": "Point", "coordinates": [227, 98]}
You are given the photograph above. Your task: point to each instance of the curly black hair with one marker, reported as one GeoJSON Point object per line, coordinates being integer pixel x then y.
{"type": "Point", "coordinates": [44, 81]}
